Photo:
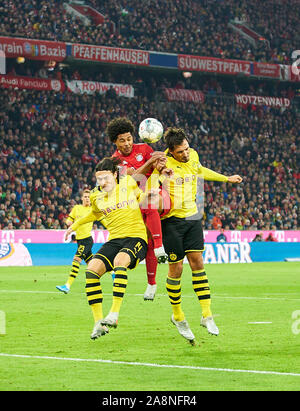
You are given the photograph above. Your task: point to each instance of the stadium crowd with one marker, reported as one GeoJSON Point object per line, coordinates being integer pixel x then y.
{"type": "Point", "coordinates": [189, 26]}
{"type": "Point", "coordinates": [51, 141]}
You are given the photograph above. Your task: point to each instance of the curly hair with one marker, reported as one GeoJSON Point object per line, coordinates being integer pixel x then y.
{"type": "Point", "coordinates": [174, 137]}
{"type": "Point", "coordinates": [117, 126]}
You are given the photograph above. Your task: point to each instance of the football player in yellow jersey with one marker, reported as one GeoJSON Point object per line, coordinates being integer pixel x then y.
{"type": "Point", "coordinates": [182, 228]}
{"type": "Point", "coordinates": [117, 200]}
{"type": "Point", "coordinates": [83, 238]}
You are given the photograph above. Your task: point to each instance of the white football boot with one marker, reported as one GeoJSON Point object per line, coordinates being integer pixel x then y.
{"type": "Point", "coordinates": [99, 330]}
{"type": "Point", "coordinates": [150, 292]}
{"type": "Point", "coordinates": [184, 330]}
{"type": "Point", "coordinates": [209, 323]}
{"type": "Point", "coordinates": [111, 320]}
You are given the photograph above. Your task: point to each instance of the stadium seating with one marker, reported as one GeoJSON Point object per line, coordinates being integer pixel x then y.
{"type": "Point", "coordinates": [52, 141]}
{"type": "Point", "coordinates": [49, 139]}
{"type": "Point", "coordinates": [189, 26]}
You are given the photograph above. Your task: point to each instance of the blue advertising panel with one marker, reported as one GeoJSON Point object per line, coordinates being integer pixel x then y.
{"type": "Point", "coordinates": [215, 253]}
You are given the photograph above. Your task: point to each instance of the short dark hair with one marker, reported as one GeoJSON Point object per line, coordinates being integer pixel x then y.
{"type": "Point", "coordinates": [108, 164]}
{"type": "Point", "coordinates": [117, 126]}
{"type": "Point", "coordinates": [174, 137]}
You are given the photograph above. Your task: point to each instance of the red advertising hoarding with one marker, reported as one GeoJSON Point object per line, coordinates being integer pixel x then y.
{"type": "Point", "coordinates": [31, 83]}
{"type": "Point", "coordinates": [266, 70]}
{"type": "Point", "coordinates": [110, 54]}
{"type": "Point", "coordinates": [33, 49]}
{"type": "Point", "coordinates": [213, 65]}
{"type": "Point", "coordinates": [181, 94]}
{"type": "Point", "coordinates": [244, 100]}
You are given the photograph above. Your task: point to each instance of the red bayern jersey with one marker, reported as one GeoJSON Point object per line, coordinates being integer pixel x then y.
{"type": "Point", "coordinates": [141, 153]}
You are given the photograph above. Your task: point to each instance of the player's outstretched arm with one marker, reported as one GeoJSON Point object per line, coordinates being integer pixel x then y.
{"type": "Point", "coordinates": [211, 175]}
{"type": "Point", "coordinates": [89, 218]}
{"type": "Point", "coordinates": [235, 179]}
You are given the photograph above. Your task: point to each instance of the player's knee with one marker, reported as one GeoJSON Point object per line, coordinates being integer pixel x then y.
{"type": "Point", "coordinates": [122, 260]}
{"type": "Point", "coordinates": [196, 260]}
{"type": "Point", "coordinates": [175, 270]}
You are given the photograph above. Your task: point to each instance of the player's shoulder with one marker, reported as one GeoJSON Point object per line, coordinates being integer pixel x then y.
{"type": "Point", "coordinates": [94, 192]}
{"type": "Point", "coordinates": [143, 146]}
{"type": "Point", "coordinates": [75, 207]}
{"type": "Point", "coordinates": [116, 154]}
{"type": "Point", "coordinates": [126, 182]}
{"type": "Point", "coordinates": [127, 179]}
{"type": "Point", "coordinates": [194, 155]}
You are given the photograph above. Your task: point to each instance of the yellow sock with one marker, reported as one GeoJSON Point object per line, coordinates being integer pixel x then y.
{"type": "Point", "coordinates": [202, 290]}
{"type": "Point", "coordinates": [174, 292]}
{"type": "Point", "coordinates": [94, 294]}
{"type": "Point", "coordinates": [119, 288]}
{"type": "Point", "coordinates": [73, 273]}
{"type": "Point", "coordinates": [97, 311]}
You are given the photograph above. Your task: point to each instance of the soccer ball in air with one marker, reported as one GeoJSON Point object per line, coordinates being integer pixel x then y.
{"type": "Point", "coordinates": [150, 130]}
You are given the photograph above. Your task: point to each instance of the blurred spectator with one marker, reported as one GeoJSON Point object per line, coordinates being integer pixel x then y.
{"type": "Point", "coordinates": [257, 238]}
{"type": "Point", "coordinates": [216, 221]}
{"type": "Point", "coordinates": [222, 237]}
{"type": "Point", "coordinates": [270, 237]}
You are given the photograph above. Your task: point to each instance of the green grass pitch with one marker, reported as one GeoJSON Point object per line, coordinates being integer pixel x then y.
{"type": "Point", "coordinates": [47, 345]}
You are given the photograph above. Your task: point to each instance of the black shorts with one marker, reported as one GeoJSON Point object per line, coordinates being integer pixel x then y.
{"type": "Point", "coordinates": [181, 236]}
{"type": "Point", "coordinates": [135, 247]}
{"type": "Point", "coordinates": [84, 248]}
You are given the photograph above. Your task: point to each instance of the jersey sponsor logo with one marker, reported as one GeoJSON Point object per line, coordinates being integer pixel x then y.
{"type": "Point", "coordinates": [117, 206]}
{"type": "Point", "coordinates": [185, 179]}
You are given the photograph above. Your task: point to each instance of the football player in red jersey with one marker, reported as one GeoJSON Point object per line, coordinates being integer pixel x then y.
{"type": "Point", "coordinates": [139, 160]}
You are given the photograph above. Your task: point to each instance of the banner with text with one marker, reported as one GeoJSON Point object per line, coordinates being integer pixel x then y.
{"type": "Point", "coordinates": [181, 94]}
{"type": "Point", "coordinates": [91, 87]}
{"type": "Point", "coordinates": [31, 83]}
{"type": "Point", "coordinates": [245, 100]}
{"type": "Point", "coordinates": [213, 65]}
{"type": "Point", "coordinates": [33, 49]}
{"type": "Point", "coordinates": [110, 54]}
{"type": "Point", "coordinates": [214, 253]}
{"type": "Point", "coordinates": [266, 70]}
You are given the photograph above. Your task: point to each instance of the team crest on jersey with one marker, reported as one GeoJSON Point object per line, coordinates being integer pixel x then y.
{"type": "Point", "coordinates": [139, 157]}
{"type": "Point", "coordinates": [179, 180]}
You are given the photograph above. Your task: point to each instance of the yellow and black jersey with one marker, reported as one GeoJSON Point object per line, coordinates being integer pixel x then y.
{"type": "Point", "coordinates": [119, 210]}
{"type": "Point", "coordinates": [77, 212]}
{"type": "Point", "coordinates": [182, 187]}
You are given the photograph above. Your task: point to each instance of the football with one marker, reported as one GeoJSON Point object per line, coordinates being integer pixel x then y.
{"type": "Point", "coordinates": [150, 130]}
